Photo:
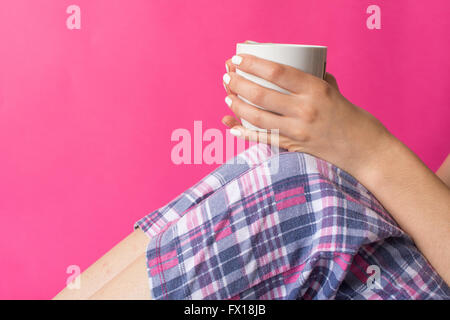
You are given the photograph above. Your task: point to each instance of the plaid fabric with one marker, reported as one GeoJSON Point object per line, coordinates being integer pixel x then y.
{"type": "Point", "coordinates": [282, 225]}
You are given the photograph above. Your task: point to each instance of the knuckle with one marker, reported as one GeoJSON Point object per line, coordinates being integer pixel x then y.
{"type": "Point", "coordinates": [256, 95]}
{"type": "Point", "coordinates": [234, 81]}
{"type": "Point", "coordinates": [309, 114]}
{"type": "Point", "coordinates": [257, 118]}
{"type": "Point", "coordinates": [236, 107]}
{"type": "Point", "coordinates": [250, 62]}
{"type": "Point", "coordinates": [239, 110]}
{"type": "Point", "coordinates": [322, 89]}
{"type": "Point", "coordinates": [274, 72]}
{"type": "Point", "coordinates": [306, 109]}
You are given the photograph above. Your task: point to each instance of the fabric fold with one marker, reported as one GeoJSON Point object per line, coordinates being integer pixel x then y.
{"type": "Point", "coordinates": [282, 225]}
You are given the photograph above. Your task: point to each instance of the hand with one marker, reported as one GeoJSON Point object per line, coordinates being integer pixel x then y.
{"type": "Point", "coordinates": [314, 118]}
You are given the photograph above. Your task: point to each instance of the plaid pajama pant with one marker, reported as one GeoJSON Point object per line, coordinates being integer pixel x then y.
{"type": "Point", "coordinates": [270, 224]}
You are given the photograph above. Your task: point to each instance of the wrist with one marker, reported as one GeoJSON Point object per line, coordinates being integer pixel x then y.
{"type": "Point", "coordinates": [382, 150]}
{"type": "Point", "coordinates": [413, 195]}
{"type": "Point", "coordinates": [393, 169]}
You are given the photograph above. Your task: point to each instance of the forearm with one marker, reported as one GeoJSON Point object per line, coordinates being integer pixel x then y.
{"type": "Point", "coordinates": [417, 199]}
{"type": "Point", "coordinates": [316, 118]}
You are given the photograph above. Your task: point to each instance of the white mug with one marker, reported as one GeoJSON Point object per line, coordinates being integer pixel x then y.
{"type": "Point", "coordinates": [308, 58]}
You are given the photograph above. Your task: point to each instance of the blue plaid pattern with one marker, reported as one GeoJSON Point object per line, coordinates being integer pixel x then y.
{"type": "Point", "coordinates": [282, 225]}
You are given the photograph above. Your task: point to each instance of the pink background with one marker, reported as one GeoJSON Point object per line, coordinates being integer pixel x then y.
{"type": "Point", "coordinates": [86, 115]}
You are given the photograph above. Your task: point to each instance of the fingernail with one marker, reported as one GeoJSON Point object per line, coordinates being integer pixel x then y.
{"type": "Point", "coordinates": [228, 101]}
{"type": "Point", "coordinates": [226, 67]}
{"type": "Point", "coordinates": [226, 78]}
{"type": "Point", "coordinates": [224, 86]}
{"type": "Point", "coordinates": [236, 60]}
{"type": "Point", "coordinates": [235, 132]}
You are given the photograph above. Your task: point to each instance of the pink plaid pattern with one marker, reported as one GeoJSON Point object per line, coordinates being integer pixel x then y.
{"type": "Point", "coordinates": [282, 225]}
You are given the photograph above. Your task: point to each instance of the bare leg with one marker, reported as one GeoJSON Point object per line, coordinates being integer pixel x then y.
{"type": "Point", "coordinates": [131, 283]}
{"type": "Point", "coordinates": [120, 274]}
{"type": "Point", "coordinates": [444, 171]}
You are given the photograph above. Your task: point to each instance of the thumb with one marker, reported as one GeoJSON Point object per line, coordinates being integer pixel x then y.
{"type": "Point", "coordinates": [272, 138]}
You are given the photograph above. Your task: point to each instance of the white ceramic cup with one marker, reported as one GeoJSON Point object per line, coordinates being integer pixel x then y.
{"type": "Point", "coordinates": [310, 59]}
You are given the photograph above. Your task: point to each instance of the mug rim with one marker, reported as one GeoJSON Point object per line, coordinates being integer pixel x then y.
{"type": "Point", "coordinates": [284, 44]}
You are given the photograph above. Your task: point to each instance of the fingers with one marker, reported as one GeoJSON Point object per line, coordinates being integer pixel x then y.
{"type": "Point", "coordinates": [281, 103]}
{"type": "Point", "coordinates": [271, 138]}
{"type": "Point", "coordinates": [230, 67]}
{"type": "Point", "coordinates": [230, 121]}
{"type": "Point", "coordinates": [256, 116]}
{"type": "Point", "coordinates": [282, 75]}
{"type": "Point", "coordinates": [257, 136]}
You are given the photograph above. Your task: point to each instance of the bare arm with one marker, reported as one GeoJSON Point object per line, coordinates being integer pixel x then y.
{"type": "Point", "coordinates": [317, 119]}
{"type": "Point", "coordinates": [417, 199]}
